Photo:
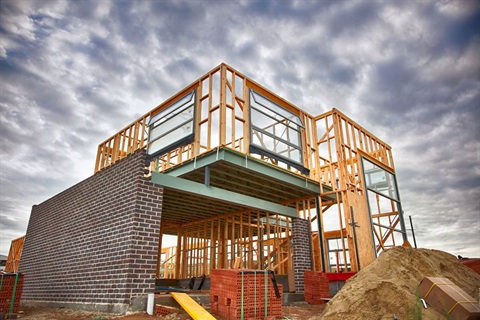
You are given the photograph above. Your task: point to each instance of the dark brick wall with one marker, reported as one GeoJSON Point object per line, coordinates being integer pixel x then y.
{"type": "Point", "coordinates": [96, 242]}
{"type": "Point", "coordinates": [302, 251]}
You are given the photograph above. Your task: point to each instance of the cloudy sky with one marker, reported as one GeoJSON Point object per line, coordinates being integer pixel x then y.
{"type": "Point", "coordinates": [72, 73]}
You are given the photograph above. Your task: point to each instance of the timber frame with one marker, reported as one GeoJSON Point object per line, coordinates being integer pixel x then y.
{"type": "Point", "coordinates": [228, 202]}
{"type": "Point", "coordinates": [14, 255]}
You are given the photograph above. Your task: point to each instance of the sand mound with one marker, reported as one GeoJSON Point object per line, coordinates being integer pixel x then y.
{"type": "Point", "coordinates": [389, 285]}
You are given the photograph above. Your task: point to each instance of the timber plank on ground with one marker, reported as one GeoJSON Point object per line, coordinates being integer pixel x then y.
{"type": "Point", "coordinates": [191, 306]}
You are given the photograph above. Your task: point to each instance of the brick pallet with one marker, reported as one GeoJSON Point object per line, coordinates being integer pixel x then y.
{"type": "Point", "coordinates": [237, 294]}
{"type": "Point", "coordinates": [11, 288]}
{"type": "Point", "coordinates": [317, 287]}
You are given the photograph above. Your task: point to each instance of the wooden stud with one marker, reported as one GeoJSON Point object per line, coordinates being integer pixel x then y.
{"type": "Point", "coordinates": [179, 252]}
{"type": "Point", "coordinates": [223, 103]}
{"type": "Point", "coordinates": [159, 254]}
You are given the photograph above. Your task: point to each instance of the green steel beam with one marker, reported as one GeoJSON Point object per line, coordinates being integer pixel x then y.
{"type": "Point", "coordinates": [176, 183]}
{"type": "Point", "coordinates": [250, 163]}
{"type": "Point", "coordinates": [199, 162]}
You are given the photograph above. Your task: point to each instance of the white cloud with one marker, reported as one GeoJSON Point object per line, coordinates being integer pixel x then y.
{"type": "Point", "coordinates": [458, 9]}
{"type": "Point", "coordinates": [73, 73]}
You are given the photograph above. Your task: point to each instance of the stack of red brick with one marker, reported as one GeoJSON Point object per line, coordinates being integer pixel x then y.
{"type": "Point", "coordinates": [240, 292]}
{"type": "Point", "coordinates": [11, 287]}
{"type": "Point", "coordinates": [317, 287]}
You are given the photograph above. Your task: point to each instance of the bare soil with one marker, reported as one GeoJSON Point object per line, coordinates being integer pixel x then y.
{"type": "Point", "coordinates": [293, 312]}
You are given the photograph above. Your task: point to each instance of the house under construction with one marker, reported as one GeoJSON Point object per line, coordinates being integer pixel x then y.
{"type": "Point", "coordinates": [225, 173]}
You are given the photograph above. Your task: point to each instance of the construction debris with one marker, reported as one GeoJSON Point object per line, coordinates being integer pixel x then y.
{"type": "Point", "coordinates": [390, 285]}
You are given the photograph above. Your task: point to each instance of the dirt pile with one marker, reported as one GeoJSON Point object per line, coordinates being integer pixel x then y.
{"type": "Point", "coordinates": [388, 286]}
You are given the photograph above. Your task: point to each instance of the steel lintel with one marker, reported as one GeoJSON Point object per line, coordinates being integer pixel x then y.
{"type": "Point", "coordinates": [169, 181]}
{"type": "Point", "coordinates": [250, 163]}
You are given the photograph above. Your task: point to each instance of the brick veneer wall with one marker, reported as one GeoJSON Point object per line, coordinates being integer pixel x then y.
{"type": "Point", "coordinates": [302, 251]}
{"type": "Point", "coordinates": [94, 246]}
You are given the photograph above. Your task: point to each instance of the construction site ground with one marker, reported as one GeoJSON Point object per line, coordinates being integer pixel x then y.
{"type": "Point", "coordinates": [295, 312]}
{"type": "Point", "coordinates": [386, 289]}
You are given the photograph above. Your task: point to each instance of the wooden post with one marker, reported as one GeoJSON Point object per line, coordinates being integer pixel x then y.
{"type": "Point", "coordinates": [178, 254]}
{"type": "Point", "coordinates": [223, 105]}
{"type": "Point", "coordinates": [159, 255]}
{"type": "Point", "coordinates": [246, 117]}
{"type": "Point", "coordinates": [198, 118]}
{"type": "Point", "coordinates": [213, 247]}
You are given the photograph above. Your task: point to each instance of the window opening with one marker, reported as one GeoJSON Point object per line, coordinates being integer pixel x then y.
{"type": "Point", "coordinates": [384, 206]}
{"type": "Point", "coordinates": [172, 127]}
{"type": "Point", "coordinates": [275, 132]}
{"type": "Point", "coordinates": [379, 180]}
{"type": "Point", "coordinates": [336, 261]}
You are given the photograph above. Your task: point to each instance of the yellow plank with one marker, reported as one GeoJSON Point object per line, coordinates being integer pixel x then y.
{"type": "Point", "coordinates": [193, 308]}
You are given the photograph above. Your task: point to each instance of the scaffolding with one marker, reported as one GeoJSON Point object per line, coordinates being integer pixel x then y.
{"type": "Point", "coordinates": [238, 162]}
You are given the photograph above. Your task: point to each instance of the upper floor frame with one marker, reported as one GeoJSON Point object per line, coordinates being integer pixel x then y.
{"type": "Point", "coordinates": [226, 109]}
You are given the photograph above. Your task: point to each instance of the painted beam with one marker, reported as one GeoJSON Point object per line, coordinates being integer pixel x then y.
{"type": "Point", "coordinates": [271, 171]}
{"type": "Point", "coordinates": [252, 164]}
{"type": "Point", "coordinates": [176, 183]}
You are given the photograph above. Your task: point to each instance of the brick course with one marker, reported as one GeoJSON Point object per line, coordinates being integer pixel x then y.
{"type": "Point", "coordinates": [96, 242]}
{"type": "Point", "coordinates": [302, 251]}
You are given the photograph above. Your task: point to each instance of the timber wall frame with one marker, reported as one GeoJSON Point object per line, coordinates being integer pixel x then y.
{"type": "Point", "coordinates": [14, 255]}
{"type": "Point", "coordinates": [333, 150]}
{"type": "Point", "coordinates": [260, 240]}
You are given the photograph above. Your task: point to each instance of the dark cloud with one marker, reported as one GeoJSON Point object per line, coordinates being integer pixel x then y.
{"type": "Point", "coordinates": [352, 19]}
{"type": "Point", "coordinates": [74, 73]}
{"type": "Point", "coordinates": [302, 13]}
{"type": "Point", "coordinates": [459, 32]}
